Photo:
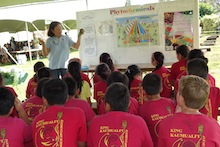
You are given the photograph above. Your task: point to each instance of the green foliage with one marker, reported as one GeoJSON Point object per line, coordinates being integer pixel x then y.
{"type": "Point", "coordinates": [210, 22]}
{"type": "Point", "coordinates": [205, 9]}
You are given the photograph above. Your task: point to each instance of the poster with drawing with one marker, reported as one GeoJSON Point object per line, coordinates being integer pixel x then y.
{"type": "Point", "coordinates": [178, 29]}
{"type": "Point", "coordinates": [137, 30]}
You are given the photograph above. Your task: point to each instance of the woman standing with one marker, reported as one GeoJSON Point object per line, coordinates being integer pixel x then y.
{"type": "Point", "coordinates": [57, 48]}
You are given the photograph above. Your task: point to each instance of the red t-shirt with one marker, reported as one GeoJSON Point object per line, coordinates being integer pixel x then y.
{"type": "Point", "coordinates": [117, 128]}
{"type": "Point", "coordinates": [153, 112]}
{"type": "Point", "coordinates": [136, 90]}
{"type": "Point", "coordinates": [33, 107]}
{"type": "Point", "coordinates": [99, 92]}
{"type": "Point", "coordinates": [32, 85]}
{"type": "Point", "coordinates": [189, 130]}
{"type": "Point", "coordinates": [14, 132]}
{"type": "Point", "coordinates": [213, 103]}
{"type": "Point", "coordinates": [132, 107]}
{"type": "Point", "coordinates": [85, 77]}
{"type": "Point", "coordinates": [164, 73]}
{"type": "Point", "coordinates": [59, 126]}
{"type": "Point", "coordinates": [176, 69]}
{"type": "Point", "coordinates": [96, 79]}
{"type": "Point", "coordinates": [73, 102]}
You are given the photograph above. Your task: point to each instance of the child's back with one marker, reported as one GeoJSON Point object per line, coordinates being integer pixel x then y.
{"type": "Point", "coordinates": [156, 108]}
{"type": "Point", "coordinates": [189, 130]}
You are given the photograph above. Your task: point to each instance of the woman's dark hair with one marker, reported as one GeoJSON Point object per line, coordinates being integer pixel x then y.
{"type": "Point", "coordinates": [131, 72]}
{"type": "Point", "coordinates": [74, 68]}
{"type": "Point", "coordinates": [106, 58]}
{"type": "Point", "coordinates": [182, 50]}
{"type": "Point", "coordinates": [159, 57]}
{"type": "Point", "coordinates": [103, 71]}
{"type": "Point", "coordinates": [51, 27]}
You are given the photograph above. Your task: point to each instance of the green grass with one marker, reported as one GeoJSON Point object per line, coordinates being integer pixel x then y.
{"type": "Point", "coordinates": [28, 67]}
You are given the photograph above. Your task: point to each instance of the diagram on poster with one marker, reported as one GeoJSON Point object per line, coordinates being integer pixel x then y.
{"type": "Point", "coordinates": [137, 30]}
{"type": "Point", "coordinates": [178, 29]}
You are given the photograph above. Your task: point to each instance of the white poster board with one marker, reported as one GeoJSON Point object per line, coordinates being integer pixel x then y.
{"type": "Point", "coordinates": [131, 34]}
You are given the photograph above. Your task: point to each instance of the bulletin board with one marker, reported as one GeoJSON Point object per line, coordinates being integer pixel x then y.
{"type": "Point", "coordinates": [131, 34]}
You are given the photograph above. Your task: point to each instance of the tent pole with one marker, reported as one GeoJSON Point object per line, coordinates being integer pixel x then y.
{"type": "Point", "coordinates": [38, 31]}
{"type": "Point", "coordinates": [29, 47]}
{"type": "Point", "coordinates": [10, 56]}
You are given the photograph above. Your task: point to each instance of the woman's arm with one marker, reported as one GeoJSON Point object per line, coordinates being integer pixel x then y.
{"type": "Point", "coordinates": [77, 44]}
{"type": "Point", "coordinates": [45, 50]}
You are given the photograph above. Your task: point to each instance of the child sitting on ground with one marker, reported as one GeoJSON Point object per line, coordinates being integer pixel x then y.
{"type": "Point", "coordinates": [156, 108]}
{"type": "Point", "coordinates": [135, 82]}
{"type": "Point", "coordinates": [122, 78]}
{"type": "Point", "coordinates": [157, 61]}
{"type": "Point", "coordinates": [14, 131]}
{"type": "Point", "coordinates": [59, 125]}
{"type": "Point", "coordinates": [117, 127]}
{"type": "Point", "coordinates": [189, 127]}
{"type": "Point", "coordinates": [73, 102]}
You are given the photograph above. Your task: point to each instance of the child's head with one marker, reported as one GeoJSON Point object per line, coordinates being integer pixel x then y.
{"type": "Point", "coordinates": [117, 77]}
{"type": "Point", "coordinates": [152, 84]}
{"type": "Point", "coordinates": [6, 101]}
{"type": "Point", "coordinates": [198, 67]}
{"type": "Point", "coordinates": [40, 86]}
{"type": "Point", "coordinates": [117, 97]}
{"type": "Point", "coordinates": [106, 58]}
{"type": "Point", "coordinates": [157, 59]}
{"type": "Point", "coordinates": [182, 52]}
{"type": "Point", "coordinates": [132, 71]}
{"type": "Point", "coordinates": [194, 91]}
{"type": "Point", "coordinates": [38, 65]}
{"type": "Point", "coordinates": [196, 53]}
{"type": "Point", "coordinates": [103, 71]}
{"type": "Point", "coordinates": [71, 84]}
{"type": "Point", "coordinates": [44, 72]}
{"type": "Point", "coordinates": [74, 68]}
{"type": "Point", "coordinates": [55, 91]}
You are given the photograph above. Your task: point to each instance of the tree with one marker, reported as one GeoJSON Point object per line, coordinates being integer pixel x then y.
{"type": "Point", "coordinates": [214, 3]}
{"type": "Point", "coordinates": [205, 9]}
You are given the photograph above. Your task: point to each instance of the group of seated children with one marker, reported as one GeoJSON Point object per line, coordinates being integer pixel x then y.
{"type": "Point", "coordinates": [131, 111]}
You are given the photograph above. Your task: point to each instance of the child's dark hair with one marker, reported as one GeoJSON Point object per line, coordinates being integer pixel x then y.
{"type": "Point", "coordinates": [103, 71]}
{"type": "Point", "coordinates": [117, 77]}
{"type": "Point", "coordinates": [106, 58]}
{"type": "Point", "coordinates": [182, 50]}
{"type": "Point", "coordinates": [37, 66]}
{"type": "Point", "coordinates": [51, 27]}
{"type": "Point", "coordinates": [196, 53]}
{"type": "Point", "coordinates": [74, 68]}
{"type": "Point", "coordinates": [6, 101]}
{"type": "Point", "coordinates": [55, 91]}
{"type": "Point", "coordinates": [152, 84]}
{"type": "Point", "coordinates": [131, 72]}
{"type": "Point", "coordinates": [71, 84]}
{"type": "Point", "coordinates": [159, 57]}
{"type": "Point", "coordinates": [40, 86]}
{"type": "Point", "coordinates": [44, 72]}
{"type": "Point", "coordinates": [118, 97]}
{"type": "Point", "coordinates": [198, 67]}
